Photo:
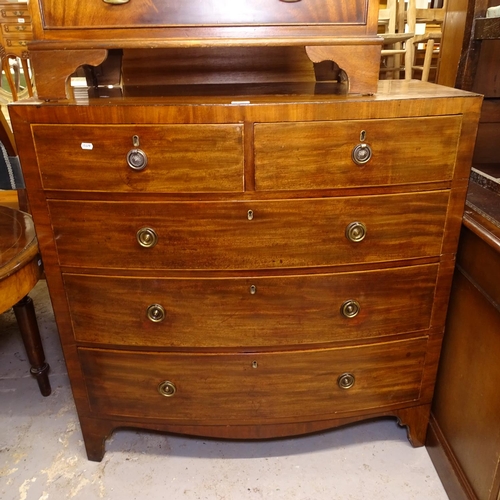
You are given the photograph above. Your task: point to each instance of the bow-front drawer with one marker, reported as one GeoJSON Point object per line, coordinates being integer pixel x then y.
{"type": "Point", "coordinates": [249, 234]}
{"type": "Point", "coordinates": [252, 388]}
{"type": "Point", "coordinates": [125, 158]}
{"type": "Point", "coordinates": [155, 13]}
{"type": "Point", "coordinates": [319, 155]}
{"type": "Point", "coordinates": [258, 311]}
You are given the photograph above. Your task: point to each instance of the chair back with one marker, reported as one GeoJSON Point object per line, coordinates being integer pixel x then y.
{"type": "Point", "coordinates": [11, 176]}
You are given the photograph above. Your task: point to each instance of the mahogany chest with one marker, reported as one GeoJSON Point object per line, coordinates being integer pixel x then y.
{"type": "Point", "coordinates": [250, 268]}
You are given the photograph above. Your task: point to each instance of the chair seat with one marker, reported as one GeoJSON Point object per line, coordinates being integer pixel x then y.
{"type": "Point", "coordinates": [19, 268]}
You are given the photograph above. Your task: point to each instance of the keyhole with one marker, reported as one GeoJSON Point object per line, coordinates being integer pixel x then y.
{"type": "Point", "coordinates": [362, 136]}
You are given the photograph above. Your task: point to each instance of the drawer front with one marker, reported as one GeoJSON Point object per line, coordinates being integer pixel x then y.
{"type": "Point", "coordinates": [252, 388]}
{"type": "Point", "coordinates": [258, 311]}
{"type": "Point", "coordinates": [77, 14]}
{"type": "Point", "coordinates": [19, 42]}
{"type": "Point", "coordinates": [246, 234]}
{"type": "Point", "coordinates": [176, 158]}
{"type": "Point", "coordinates": [14, 11]}
{"type": "Point", "coordinates": [319, 155]}
{"type": "Point", "coordinates": [17, 29]}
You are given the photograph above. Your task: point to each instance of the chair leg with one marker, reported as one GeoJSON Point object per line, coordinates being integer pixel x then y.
{"type": "Point", "coordinates": [27, 76]}
{"type": "Point", "coordinates": [8, 76]}
{"type": "Point", "coordinates": [26, 319]}
{"type": "Point", "coordinates": [427, 60]}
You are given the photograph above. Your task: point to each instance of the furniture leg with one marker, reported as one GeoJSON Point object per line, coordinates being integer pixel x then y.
{"type": "Point", "coordinates": [95, 432]}
{"type": "Point", "coordinates": [416, 420]}
{"type": "Point", "coordinates": [26, 319]}
{"type": "Point", "coordinates": [27, 76]}
{"type": "Point", "coordinates": [362, 79]}
{"type": "Point", "coordinates": [8, 76]}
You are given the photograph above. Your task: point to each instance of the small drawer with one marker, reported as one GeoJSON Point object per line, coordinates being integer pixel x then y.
{"type": "Point", "coordinates": [125, 158]}
{"type": "Point", "coordinates": [17, 29]}
{"type": "Point", "coordinates": [253, 312]}
{"type": "Point", "coordinates": [16, 43]}
{"type": "Point", "coordinates": [20, 11]}
{"type": "Point", "coordinates": [249, 234]}
{"type": "Point", "coordinates": [252, 388]}
{"type": "Point", "coordinates": [78, 14]}
{"type": "Point", "coordinates": [319, 155]}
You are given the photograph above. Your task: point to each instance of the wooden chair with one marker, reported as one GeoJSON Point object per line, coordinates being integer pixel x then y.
{"type": "Point", "coordinates": [14, 81]}
{"type": "Point", "coordinates": [397, 47]}
{"type": "Point", "coordinates": [429, 41]}
{"type": "Point", "coordinates": [20, 265]}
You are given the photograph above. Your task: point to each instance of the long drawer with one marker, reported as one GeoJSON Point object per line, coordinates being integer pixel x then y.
{"type": "Point", "coordinates": [249, 234]}
{"type": "Point", "coordinates": [319, 155]}
{"type": "Point", "coordinates": [252, 388]}
{"type": "Point", "coordinates": [167, 158]}
{"type": "Point", "coordinates": [250, 312]}
{"type": "Point", "coordinates": [74, 13]}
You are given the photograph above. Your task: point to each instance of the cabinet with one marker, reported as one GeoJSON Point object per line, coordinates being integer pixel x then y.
{"type": "Point", "coordinates": [250, 267]}
{"type": "Point", "coordinates": [463, 440]}
{"type": "Point", "coordinates": [15, 33]}
{"type": "Point", "coordinates": [342, 34]}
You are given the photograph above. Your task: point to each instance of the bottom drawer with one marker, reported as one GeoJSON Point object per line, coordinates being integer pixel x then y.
{"type": "Point", "coordinates": [214, 388]}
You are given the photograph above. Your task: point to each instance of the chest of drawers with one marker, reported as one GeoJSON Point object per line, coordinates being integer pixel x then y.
{"type": "Point", "coordinates": [15, 33]}
{"type": "Point", "coordinates": [16, 26]}
{"type": "Point", "coordinates": [250, 269]}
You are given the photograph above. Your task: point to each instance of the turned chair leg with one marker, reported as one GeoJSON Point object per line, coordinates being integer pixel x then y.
{"type": "Point", "coordinates": [28, 326]}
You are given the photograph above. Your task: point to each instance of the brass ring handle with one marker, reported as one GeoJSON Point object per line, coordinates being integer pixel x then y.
{"type": "Point", "coordinates": [355, 232]}
{"type": "Point", "coordinates": [156, 313]}
{"type": "Point", "coordinates": [116, 2]}
{"type": "Point", "coordinates": [167, 389]}
{"type": "Point", "coordinates": [361, 154]}
{"type": "Point", "coordinates": [350, 308]}
{"type": "Point", "coordinates": [137, 159]}
{"type": "Point", "coordinates": [147, 237]}
{"type": "Point", "coordinates": [346, 380]}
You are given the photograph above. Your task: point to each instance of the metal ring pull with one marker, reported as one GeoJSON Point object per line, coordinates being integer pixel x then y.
{"type": "Point", "coordinates": [156, 313]}
{"type": "Point", "coordinates": [355, 232]}
{"type": "Point", "coordinates": [116, 2]}
{"type": "Point", "coordinates": [147, 237]}
{"type": "Point", "coordinates": [350, 308]}
{"type": "Point", "coordinates": [346, 380]}
{"type": "Point", "coordinates": [361, 154]}
{"type": "Point", "coordinates": [137, 159]}
{"type": "Point", "coordinates": [167, 389]}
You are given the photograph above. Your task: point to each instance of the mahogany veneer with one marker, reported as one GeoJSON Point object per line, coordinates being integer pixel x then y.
{"type": "Point", "coordinates": [70, 34]}
{"type": "Point", "coordinates": [289, 290]}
